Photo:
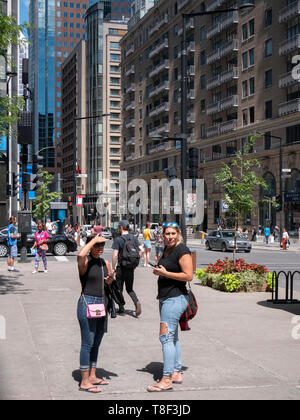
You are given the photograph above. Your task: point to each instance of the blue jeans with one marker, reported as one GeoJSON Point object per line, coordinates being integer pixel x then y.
{"type": "Point", "coordinates": [171, 310]}
{"type": "Point", "coordinates": [92, 331]}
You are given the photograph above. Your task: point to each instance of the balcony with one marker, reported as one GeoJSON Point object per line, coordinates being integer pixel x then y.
{"type": "Point", "coordinates": [130, 50]}
{"type": "Point", "coordinates": [289, 45]}
{"type": "Point", "coordinates": [130, 141]}
{"type": "Point", "coordinates": [228, 126]}
{"type": "Point", "coordinates": [129, 106]}
{"type": "Point", "coordinates": [289, 107]}
{"type": "Point", "coordinates": [213, 131]}
{"type": "Point", "coordinates": [289, 12]}
{"type": "Point", "coordinates": [189, 24]}
{"type": "Point", "coordinates": [164, 128]}
{"type": "Point", "coordinates": [190, 117]}
{"type": "Point", "coordinates": [156, 50]}
{"type": "Point", "coordinates": [129, 157]}
{"type": "Point", "coordinates": [221, 26]}
{"type": "Point", "coordinates": [224, 77]}
{"type": "Point", "coordinates": [164, 107]}
{"type": "Point", "coordinates": [191, 94]}
{"type": "Point", "coordinates": [130, 124]}
{"type": "Point", "coordinates": [158, 25]}
{"type": "Point", "coordinates": [131, 88]}
{"type": "Point", "coordinates": [214, 5]}
{"type": "Point", "coordinates": [182, 3]}
{"type": "Point", "coordinates": [191, 47]}
{"type": "Point", "coordinates": [159, 148]}
{"type": "Point", "coordinates": [165, 65]}
{"type": "Point", "coordinates": [287, 79]}
{"type": "Point", "coordinates": [191, 70]}
{"type": "Point", "coordinates": [129, 71]}
{"type": "Point", "coordinates": [228, 48]}
{"type": "Point", "coordinates": [227, 103]}
{"type": "Point", "coordinates": [160, 88]}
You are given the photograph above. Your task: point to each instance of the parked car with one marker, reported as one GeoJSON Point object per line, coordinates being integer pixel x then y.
{"type": "Point", "coordinates": [224, 240]}
{"type": "Point", "coordinates": [107, 234]}
{"type": "Point", "coordinates": [59, 244]}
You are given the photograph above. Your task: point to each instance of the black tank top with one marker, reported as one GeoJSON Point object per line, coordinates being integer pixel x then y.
{"type": "Point", "coordinates": [92, 281]}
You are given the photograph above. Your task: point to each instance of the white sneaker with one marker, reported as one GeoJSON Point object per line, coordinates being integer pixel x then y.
{"type": "Point", "coordinates": [45, 271]}
{"type": "Point", "coordinates": [34, 272]}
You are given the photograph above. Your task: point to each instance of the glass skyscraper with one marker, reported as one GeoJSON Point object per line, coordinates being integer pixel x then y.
{"type": "Point", "coordinates": [57, 27]}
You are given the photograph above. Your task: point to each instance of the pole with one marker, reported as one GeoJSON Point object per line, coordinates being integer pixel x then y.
{"type": "Point", "coordinates": [183, 126]}
{"type": "Point", "coordinates": [280, 191]}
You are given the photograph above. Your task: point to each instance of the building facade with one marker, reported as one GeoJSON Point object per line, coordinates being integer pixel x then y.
{"type": "Point", "coordinates": [242, 80]}
{"type": "Point", "coordinates": [103, 98]}
{"type": "Point", "coordinates": [58, 26]}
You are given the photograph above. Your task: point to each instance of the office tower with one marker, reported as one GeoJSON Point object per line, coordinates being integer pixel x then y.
{"type": "Point", "coordinates": [118, 9]}
{"type": "Point", "coordinates": [58, 28]}
{"type": "Point", "coordinates": [242, 79]}
{"type": "Point", "coordinates": [103, 97]}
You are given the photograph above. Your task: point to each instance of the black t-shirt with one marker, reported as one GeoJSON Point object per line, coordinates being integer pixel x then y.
{"type": "Point", "coordinates": [167, 287]}
{"type": "Point", "coordinates": [92, 280]}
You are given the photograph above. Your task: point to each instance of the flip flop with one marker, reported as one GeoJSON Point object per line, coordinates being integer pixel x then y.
{"type": "Point", "coordinates": [102, 382]}
{"type": "Point", "coordinates": [89, 390]}
{"type": "Point", "coordinates": [159, 389]}
{"type": "Point", "coordinates": [177, 382]}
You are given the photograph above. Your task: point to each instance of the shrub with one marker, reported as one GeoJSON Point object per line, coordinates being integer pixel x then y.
{"type": "Point", "coordinates": [231, 283]}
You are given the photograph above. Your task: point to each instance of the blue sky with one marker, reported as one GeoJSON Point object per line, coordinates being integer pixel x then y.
{"type": "Point", "coordinates": [24, 11]}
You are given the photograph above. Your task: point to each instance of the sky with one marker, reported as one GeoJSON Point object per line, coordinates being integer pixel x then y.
{"type": "Point", "coordinates": [24, 10]}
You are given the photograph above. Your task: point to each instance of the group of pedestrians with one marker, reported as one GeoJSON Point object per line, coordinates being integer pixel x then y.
{"type": "Point", "coordinates": [173, 269]}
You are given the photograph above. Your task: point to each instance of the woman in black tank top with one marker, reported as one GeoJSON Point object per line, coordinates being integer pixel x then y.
{"type": "Point", "coordinates": [93, 272]}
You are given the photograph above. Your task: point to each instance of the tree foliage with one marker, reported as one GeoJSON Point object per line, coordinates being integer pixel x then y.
{"type": "Point", "coordinates": [44, 197]}
{"type": "Point", "coordinates": [239, 181]}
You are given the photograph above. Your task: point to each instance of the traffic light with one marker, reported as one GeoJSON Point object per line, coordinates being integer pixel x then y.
{"type": "Point", "coordinates": [30, 182]}
{"type": "Point", "coordinates": [35, 163]}
{"type": "Point", "coordinates": [193, 162]}
{"type": "Point", "coordinates": [15, 184]}
{"type": "Point", "coordinates": [70, 204]}
{"type": "Point", "coordinates": [278, 202]}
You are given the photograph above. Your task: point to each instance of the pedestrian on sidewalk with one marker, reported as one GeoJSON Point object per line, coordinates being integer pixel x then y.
{"type": "Point", "coordinates": [93, 272]}
{"type": "Point", "coordinates": [124, 269]}
{"type": "Point", "coordinates": [12, 239]}
{"type": "Point", "coordinates": [285, 239]}
{"type": "Point", "coordinates": [147, 244]}
{"type": "Point", "coordinates": [267, 232]}
{"type": "Point", "coordinates": [175, 268]}
{"type": "Point", "coordinates": [254, 234]}
{"type": "Point", "coordinates": [276, 234]}
{"type": "Point", "coordinates": [159, 242]}
{"type": "Point", "coordinates": [97, 229]}
{"type": "Point", "coordinates": [41, 239]}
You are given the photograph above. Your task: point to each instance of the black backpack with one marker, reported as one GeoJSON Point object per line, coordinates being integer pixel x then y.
{"type": "Point", "coordinates": [130, 255]}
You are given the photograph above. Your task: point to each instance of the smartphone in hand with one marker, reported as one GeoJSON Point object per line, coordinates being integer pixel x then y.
{"type": "Point", "coordinates": [152, 265]}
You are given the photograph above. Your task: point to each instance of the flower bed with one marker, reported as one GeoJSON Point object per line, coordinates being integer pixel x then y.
{"type": "Point", "coordinates": [239, 277]}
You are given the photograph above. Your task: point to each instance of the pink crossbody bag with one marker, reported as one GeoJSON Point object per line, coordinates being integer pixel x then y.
{"type": "Point", "coordinates": [96, 310]}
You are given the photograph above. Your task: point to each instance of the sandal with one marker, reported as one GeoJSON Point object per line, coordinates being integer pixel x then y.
{"type": "Point", "coordinates": [158, 388]}
{"type": "Point", "coordinates": [89, 390]}
{"type": "Point", "coordinates": [102, 382]}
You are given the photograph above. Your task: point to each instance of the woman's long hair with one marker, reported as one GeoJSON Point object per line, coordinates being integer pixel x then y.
{"type": "Point", "coordinates": [41, 223]}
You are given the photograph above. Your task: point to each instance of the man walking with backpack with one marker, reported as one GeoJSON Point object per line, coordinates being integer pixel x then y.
{"type": "Point", "coordinates": [126, 257]}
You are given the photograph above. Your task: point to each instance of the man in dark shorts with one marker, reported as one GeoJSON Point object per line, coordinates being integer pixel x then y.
{"type": "Point", "coordinates": [125, 274]}
{"type": "Point", "coordinates": [12, 238]}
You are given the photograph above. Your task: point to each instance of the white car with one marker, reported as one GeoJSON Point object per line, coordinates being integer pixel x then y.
{"type": "Point", "coordinates": [86, 230]}
{"type": "Point", "coordinates": [106, 233]}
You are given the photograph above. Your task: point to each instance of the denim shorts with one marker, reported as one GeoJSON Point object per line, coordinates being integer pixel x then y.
{"type": "Point", "coordinates": [12, 251]}
{"type": "Point", "coordinates": [147, 244]}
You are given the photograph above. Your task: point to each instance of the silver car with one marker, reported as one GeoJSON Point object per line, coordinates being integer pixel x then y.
{"type": "Point", "coordinates": [223, 240]}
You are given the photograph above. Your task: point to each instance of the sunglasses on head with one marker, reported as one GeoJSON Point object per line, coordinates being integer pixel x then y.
{"type": "Point", "coordinates": [166, 225]}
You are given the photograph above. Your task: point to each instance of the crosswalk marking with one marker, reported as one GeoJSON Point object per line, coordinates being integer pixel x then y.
{"type": "Point", "coordinates": [61, 258]}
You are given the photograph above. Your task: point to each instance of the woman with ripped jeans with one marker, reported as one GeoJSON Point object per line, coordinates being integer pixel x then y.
{"type": "Point", "coordinates": [174, 269]}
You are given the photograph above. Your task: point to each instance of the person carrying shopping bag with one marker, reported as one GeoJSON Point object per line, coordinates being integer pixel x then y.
{"type": "Point", "coordinates": [40, 245]}
{"type": "Point", "coordinates": [285, 240]}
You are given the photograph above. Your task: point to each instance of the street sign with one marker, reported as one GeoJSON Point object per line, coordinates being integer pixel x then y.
{"type": "Point", "coordinates": [81, 175]}
{"type": "Point", "coordinates": [79, 200]}
{"type": "Point", "coordinates": [225, 206]}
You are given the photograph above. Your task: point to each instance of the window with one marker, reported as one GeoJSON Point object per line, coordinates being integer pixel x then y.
{"type": "Point", "coordinates": [114, 57]}
{"type": "Point", "coordinates": [268, 48]}
{"type": "Point", "coordinates": [252, 86]}
{"type": "Point", "coordinates": [268, 79]}
{"type": "Point", "coordinates": [268, 110]}
{"type": "Point", "coordinates": [245, 31]}
{"type": "Point", "coordinates": [245, 117]}
{"type": "Point", "coordinates": [268, 18]}
{"type": "Point", "coordinates": [252, 114]}
{"type": "Point", "coordinates": [245, 88]}
{"type": "Point", "coordinates": [245, 61]}
{"type": "Point", "coordinates": [251, 28]}
{"type": "Point", "coordinates": [202, 82]}
{"type": "Point", "coordinates": [251, 57]}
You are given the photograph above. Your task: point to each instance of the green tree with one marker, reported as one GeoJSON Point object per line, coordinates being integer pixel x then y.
{"type": "Point", "coordinates": [239, 181]}
{"type": "Point", "coordinates": [44, 197]}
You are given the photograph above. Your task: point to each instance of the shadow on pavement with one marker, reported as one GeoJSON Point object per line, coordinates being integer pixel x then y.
{"type": "Point", "coordinates": [100, 373]}
{"type": "Point", "coordinates": [156, 369]}
{"type": "Point", "coordinates": [10, 284]}
{"type": "Point", "coordinates": [293, 308]}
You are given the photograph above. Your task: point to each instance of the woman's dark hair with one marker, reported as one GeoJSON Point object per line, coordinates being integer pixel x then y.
{"type": "Point", "coordinates": [41, 223]}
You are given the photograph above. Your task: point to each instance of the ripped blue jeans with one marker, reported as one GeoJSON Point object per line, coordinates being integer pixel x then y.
{"type": "Point", "coordinates": [171, 310]}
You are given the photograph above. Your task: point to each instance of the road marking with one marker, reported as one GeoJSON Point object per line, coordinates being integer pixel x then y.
{"type": "Point", "coordinates": [61, 258]}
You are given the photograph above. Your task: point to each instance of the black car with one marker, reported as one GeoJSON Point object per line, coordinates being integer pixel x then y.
{"type": "Point", "coordinates": [224, 240]}
{"type": "Point", "coordinates": [59, 244]}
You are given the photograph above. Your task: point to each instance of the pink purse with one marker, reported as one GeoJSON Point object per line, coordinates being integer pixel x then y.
{"type": "Point", "coordinates": [96, 310]}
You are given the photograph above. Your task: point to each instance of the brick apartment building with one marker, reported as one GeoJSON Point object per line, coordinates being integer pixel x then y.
{"type": "Point", "coordinates": [240, 82]}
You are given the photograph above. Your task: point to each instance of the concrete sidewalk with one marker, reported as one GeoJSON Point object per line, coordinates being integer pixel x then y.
{"type": "Point", "coordinates": [239, 346]}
